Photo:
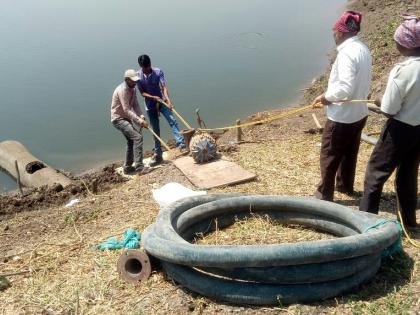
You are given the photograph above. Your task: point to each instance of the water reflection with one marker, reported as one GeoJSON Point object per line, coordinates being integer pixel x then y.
{"type": "Point", "coordinates": [61, 61]}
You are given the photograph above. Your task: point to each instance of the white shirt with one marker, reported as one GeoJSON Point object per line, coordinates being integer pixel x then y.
{"type": "Point", "coordinates": [402, 94]}
{"type": "Point", "coordinates": [350, 79]}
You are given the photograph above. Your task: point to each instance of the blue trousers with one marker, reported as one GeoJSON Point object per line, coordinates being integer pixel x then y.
{"type": "Point", "coordinates": [169, 116]}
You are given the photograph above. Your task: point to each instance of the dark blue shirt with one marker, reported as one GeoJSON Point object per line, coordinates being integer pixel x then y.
{"type": "Point", "coordinates": [152, 84]}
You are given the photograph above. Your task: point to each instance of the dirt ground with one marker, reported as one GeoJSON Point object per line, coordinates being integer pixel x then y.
{"type": "Point", "coordinates": [47, 250]}
{"type": "Point", "coordinates": [44, 197]}
{"type": "Point", "coordinates": [65, 275]}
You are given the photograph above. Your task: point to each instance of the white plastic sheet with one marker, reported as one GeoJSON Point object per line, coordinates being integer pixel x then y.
{"type": "Point", "coordinates": [172, 192]}
{"type": "Point", "coordinates": [72, 202]}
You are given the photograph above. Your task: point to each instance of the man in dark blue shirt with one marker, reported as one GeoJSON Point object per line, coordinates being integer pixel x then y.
{"type": "Point", "coordinates": [152, 87]}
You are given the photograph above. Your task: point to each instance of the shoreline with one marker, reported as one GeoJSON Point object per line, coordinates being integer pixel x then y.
{"type": "Point", "coordinates": [52, 244]}
{"type": "Point", "coordinates": [97, 169]}
{"type": "Point", "coordinates": [382, 64]}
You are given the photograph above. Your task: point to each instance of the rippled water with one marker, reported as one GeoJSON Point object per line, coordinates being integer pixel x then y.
{"type": "Point", "coordinates": [61, 60]}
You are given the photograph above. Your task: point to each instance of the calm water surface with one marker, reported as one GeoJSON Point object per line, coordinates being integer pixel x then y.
{"type": "Point", "coordinates": [61, 60]}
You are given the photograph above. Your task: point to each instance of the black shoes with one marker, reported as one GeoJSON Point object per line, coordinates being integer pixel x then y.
{"type": "Point", "coordinates": [183, 150]}
{"type": "Point", "coordinates": [319, 196]}
{"type": "Point", "coordinates": [131, 170]}
{"type": "Point", "coordinates": [143, 171]}
{"type": "Point", "coordinates": [350, 193]}
{"type": "Point", "coordinates": [156, 160]}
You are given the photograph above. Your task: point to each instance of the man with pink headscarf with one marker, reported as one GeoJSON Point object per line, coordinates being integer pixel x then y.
{"type": "Point", "coordinates": [399, 143]}
{"type": "Point", "coordinates": [350, 79]}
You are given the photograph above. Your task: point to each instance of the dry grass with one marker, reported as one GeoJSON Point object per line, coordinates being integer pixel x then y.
{"type": "Point", "coordinates": [61, 273]}
{"type": "Point", "coordinates": [67, 276]}
{"type": "Point", "coordinates": [259, 230]}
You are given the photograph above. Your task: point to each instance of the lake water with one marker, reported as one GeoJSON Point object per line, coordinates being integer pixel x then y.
{"type": "Point", "coordinates": [61, 60]}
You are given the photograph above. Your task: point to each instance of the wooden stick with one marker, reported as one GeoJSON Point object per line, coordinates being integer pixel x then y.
{"type": "Point", "coordinates": [375, 109]}
{"type": "Point", "coordinates": [374, 133]}
{"type": "Point", "coordinates": [182, 119]}
{"type": "Point", "coordinates": [160, 140]}
{"type": "Point", "coordinates": [18, 177]}
{"type": "Point", "coordinates": [176, 113]}
{"type": "Point", "coordinates": [95, 186]}
{"type": "Point", "coordinates": [18, 273]}
{"type": "Point", "coordinates": [318, 125]}
{"type": "Point", "coordinates": [77, 303]}
{"type": "Point", "coordinates": [200, 122]}
{"type": "Point", "coordinates": [368, 139]}
{"type": "Point", "coordinates": [238, 131]}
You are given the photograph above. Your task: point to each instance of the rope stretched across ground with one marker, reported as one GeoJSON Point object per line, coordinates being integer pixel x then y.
{"type": "Point", "coordinates": [288, 114]}
{"type": "Point", "coordinates": [280, 116]}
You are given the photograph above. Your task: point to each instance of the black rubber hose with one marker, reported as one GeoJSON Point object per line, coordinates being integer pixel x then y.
{"type": "Point", "coordinates": [290, 274]}
{"type": "Point", "coordinates": [265, 274]}
{"type": "Point", "coordinates": [309, 273]}
{"type": "Point", "coordinates": [164, 242]}
{"type": "Point", "coordinates": [264, 294]}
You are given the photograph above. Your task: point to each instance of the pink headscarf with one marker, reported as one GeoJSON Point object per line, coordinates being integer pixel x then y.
{"type": "Point", "coordinates": [349, 22]}
{"type": "Point", "coordinates": [408, 33]}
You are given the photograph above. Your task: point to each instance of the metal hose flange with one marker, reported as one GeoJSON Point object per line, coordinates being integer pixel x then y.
{"type": "Point", "coordinates": [134, 266]}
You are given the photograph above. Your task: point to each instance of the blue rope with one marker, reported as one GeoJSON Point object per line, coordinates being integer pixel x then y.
{"type": "Point", "coordinates": [397, 245]}
{"type": "Point", "coordinates": [131, 241]}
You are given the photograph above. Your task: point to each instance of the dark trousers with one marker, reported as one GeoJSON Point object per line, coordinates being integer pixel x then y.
{"type": "Point", "coordinates": [398, 148]}
{"type": "Point", "coordinates": [339, 148]}
{"type": "Point", "coordinates": [134, 137]}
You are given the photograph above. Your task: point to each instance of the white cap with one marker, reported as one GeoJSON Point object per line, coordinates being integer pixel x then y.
{"type": "Point", "coordinates": [132, 75]}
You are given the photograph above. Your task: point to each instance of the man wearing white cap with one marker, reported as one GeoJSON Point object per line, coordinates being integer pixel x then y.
{"type": "Point", "coordinates": [125, 114]}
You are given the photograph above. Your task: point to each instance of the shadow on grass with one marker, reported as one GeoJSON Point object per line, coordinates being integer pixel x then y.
{"type": "Point", "coordinates": [388, 202]}
{"type": "Point", "coordinates": [349, 202]}
{"type": "Point", "coordinates": [393, 274]}
{"type": "Point", "coordinates": [389, 205]}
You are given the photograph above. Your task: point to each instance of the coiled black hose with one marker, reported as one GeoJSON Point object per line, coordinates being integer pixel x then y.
{"type": "Point", "coordinates": [268, 274]}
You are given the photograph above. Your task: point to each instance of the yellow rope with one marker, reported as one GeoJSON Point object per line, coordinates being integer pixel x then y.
{"type": "Point", "coordinates": [276, 117]}
{"type": "Point", "coordinates": [262, 121]}
{"type": "Point", "coordinates": [280, 116]}
{"type": "Point", "coordinates": [411, 241]}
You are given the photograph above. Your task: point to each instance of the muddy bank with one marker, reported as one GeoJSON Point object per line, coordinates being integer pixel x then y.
{"type": "Point", "coordinates": [92, 181]}
{"type": "Point", "coordinates": [44, 197]}
{"type": "Point", "coordinates": [379, 22]}
{"type": "Point", "coordinates": [66, 276]}
{"type": "Point", "coordinates": [380, 19]}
